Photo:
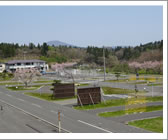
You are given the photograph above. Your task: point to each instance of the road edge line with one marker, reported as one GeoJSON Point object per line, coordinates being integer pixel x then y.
{"type": "Point", "coordinates": [34, 115]}
{"type": "Point", "coordinates": [94, 126]}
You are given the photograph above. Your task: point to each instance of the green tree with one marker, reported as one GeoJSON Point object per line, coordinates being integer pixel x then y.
{"type": "Point", "coordinates": [117, 75]}
{"type": "Point", "coordinates": [31, 46]}
{"type": "Point", "coordinates": [44, 49]}
{"type": "Point", "coordinates": [38, 46]}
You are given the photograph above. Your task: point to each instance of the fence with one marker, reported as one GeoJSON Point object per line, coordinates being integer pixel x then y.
{"type": "Point", "coordinates": [89, 95]}
{"type": "Point", "coordinates": [63, 90]}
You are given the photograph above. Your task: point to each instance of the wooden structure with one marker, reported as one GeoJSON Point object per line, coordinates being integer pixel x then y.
{"type": "Point", "coordinates": [89, 95]}
{"type": "Point", "coordinates": [63, 90]}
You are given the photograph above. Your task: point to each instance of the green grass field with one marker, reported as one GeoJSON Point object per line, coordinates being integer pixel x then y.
{"type": "Point", "coordinates": [10, 83]}
{"type": "Point", "coordinates": [116, 102]}
{"type": "Point", "coordinates": [47, 96]}
{"type": "Point", "coordinates": [130, 111]}
{"type": "Point", "coordinates": [141, 80]}
{"type": "Point", "coordinates": [119, 80]}
{"type": "Point", "coordinates": [81, 84]}
{"type": "Point", "coordinates": [152, 124]}
{"type": "Point", "coordinates": [43, 81]}
{"type": "Point", "coordinates": [5, 79]}
{"type": "Point", "coordinates": [155, 84]}
{"type": "Point", "coordinates": [109, 90]}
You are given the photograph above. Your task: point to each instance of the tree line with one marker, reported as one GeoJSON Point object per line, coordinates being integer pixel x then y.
{"type": "Point", "coordinates": [117, 58]}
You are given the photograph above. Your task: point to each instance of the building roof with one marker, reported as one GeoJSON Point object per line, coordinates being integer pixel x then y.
{"type": "Point", "coordinates": [23, 61]}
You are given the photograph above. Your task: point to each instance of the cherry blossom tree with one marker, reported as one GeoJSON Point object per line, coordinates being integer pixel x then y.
{"type": "Point", "coordinates": [146, 65]}
{"type": "Point", "coordinates": [135, 65]}
{"type": "Point", "coordinates": [26, 75]}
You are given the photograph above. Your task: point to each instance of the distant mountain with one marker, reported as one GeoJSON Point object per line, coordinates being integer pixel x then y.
{"type": "Point", "coordinates": [59, 43]}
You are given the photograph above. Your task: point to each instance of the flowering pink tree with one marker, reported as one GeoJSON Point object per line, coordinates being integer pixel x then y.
{"type": "Point", "coordinates": [135, 65]}
{"type": "Point", "coordinates": [151, 65]}
{"type": "Point", "coordinates": [26, 76]}
{"type": "Point", "coordinates": [57, 66]}
{"type": "Point", "coordinates": [155, 65]}
{"type": "Point", "coordinates": [146, 64]}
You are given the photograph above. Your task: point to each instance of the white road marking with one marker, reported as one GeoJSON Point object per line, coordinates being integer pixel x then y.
{"type": "Point", "coordinates": [54, 111]}
{"type": "Point", "coordinates": [9, 95]}
{"type": "Point", "coordinates": [36, 105]}
{"type": "Point", "coordinates": [20, 99]}
{"type": "Point", "coordinates": [94, 126]}
{"type": "Point", "coordinates": [34, 115]}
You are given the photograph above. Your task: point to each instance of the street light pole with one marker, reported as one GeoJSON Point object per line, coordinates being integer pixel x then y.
{"type": "Point", "coordinates": [152, 89]}
{"type": "Point", "coordinates": [104, 64]}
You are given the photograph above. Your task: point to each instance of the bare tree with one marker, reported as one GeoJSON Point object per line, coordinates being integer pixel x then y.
{"type": "Point", "coordinates": [26, 76]}
{"type": "Point", "coordinates": [61, 70]}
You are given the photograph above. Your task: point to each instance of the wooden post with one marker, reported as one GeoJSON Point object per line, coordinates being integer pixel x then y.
{"type": "Point", "coordinates": [101, 94]}
{"type": "Point", "coordinates": [80, 100]}
{"type": "Point", "coordinates": [91, 99]}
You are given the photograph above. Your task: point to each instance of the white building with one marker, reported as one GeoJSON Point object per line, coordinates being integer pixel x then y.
{"type": "Point", "coordinates": [2, 67]}
{"type": "Point", "coordinates": [15, 64]}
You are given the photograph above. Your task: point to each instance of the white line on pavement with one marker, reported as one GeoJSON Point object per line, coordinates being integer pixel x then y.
{"type": "Point", "coordinates": [36, 105]}
{"type": "Point", "coordinates": [20, 99]}
{"type": "Point", "coordinates": [94, 126]}
{"type": "Point", "coordinates": [54, 111]}
{"type": "Point", "coordinates": [33, 115]}
{"type": "Point", "coordinates": [9, 95]}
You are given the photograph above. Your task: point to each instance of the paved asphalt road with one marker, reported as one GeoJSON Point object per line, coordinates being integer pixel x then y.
{"type": "Point", "coordinates": [74, 121]}
{"type": "Point", "coordinates": [157, 90]}
{"type": "Point", "coordinates": [130, 117]}
{"type": "Point", "coordinates": [14, 121]}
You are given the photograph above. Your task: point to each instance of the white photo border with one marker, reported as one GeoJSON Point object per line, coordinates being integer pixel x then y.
{"type": "Point", "coordinates": [103, 135]}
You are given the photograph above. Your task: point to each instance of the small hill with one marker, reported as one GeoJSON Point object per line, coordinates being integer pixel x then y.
{"type": "Point", "coordinates": [59, 43]}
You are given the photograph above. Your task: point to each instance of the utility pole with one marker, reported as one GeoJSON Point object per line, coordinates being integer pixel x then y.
{"type": "Point", "coordinates": [104, 64]}
{"type": "Point", "coordinates": [59, 122]}
{"type": "Point", "coordinates": [1, 107]}
{"type": "Point", "coordinates": [152, 89]}
{"type": "Point", "coordinates": [24, 54]}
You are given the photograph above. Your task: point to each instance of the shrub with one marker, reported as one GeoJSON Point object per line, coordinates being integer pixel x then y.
{"type": "Point", "coordinates": [142, 71]}
{"type": "Point", "coordinates": [123, 67]}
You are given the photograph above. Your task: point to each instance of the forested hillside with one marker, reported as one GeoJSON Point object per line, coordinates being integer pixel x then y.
{"type": "Point", "coordinates": [145, 58]}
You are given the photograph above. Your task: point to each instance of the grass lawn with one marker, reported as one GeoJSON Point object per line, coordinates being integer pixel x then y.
{"type": "Point", "coordinates": [32, 87]}
{"type": "Point", "coordinates": [109, 90]}
{"type": "Point", "coordinates": [152, 124]}
{"type": "Point", "coordinates": [116, 102]}
{"type": "Point", "coordinates": [5, 79]}
{"type": "Point", "coordinates": [43, 81]}
{"type": "Point", "coordinates": [47, 96]}
{"type": "Point", "coordinates": [85, 84]}
{"type": "Point", "coordinates": [130, 111]}
{"type": "Point", "coordinates": [141, 80]}
{"type": "Point", "coordinates": [149, 83]}
{"type": "Point", "coordinates": [10, 83]}
{"type": "Point", "coordinates": [155, 84]}
{"type": "Point", "coordinates": [119, 80]}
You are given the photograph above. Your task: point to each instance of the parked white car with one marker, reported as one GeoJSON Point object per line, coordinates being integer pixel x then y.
{"type": "Point", "coordinates": [2, 67]}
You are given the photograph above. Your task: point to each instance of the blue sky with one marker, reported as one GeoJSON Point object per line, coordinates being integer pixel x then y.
{"type": "Point", "coordinates": [81, 26]}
